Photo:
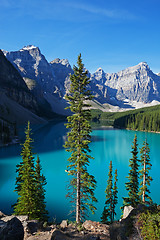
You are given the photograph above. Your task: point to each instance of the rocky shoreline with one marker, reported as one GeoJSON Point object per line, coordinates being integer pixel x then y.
{"type": "Point", "coordinates": [21, 228]}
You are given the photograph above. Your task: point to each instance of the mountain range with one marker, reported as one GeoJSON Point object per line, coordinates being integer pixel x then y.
{"type": "Point", "coordinates": [40, 86]}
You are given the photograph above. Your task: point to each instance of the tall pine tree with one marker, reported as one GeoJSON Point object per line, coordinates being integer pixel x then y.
{"type": "Point", "coordinates": [25, 182]}
{"type": "Point", "coordinates": [82, 184]}
{"type": "Point", "coordinates": [144, 173]}
{"type": "Point", "coordinates": [111, 191]}
{"type": "Point", "coordinates": [107, 216]}
{"type": "Point", "coordinates": [28, 182]}
{"type": "Point", "coordinates": [41, 212]}
{"type": "Point", "coordinates": [132, 186]}
{"type": "Point", "coordinates": [115, 195]}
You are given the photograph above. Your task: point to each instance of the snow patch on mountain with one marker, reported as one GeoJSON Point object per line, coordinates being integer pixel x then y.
{"type": "Point", "coordinates": [29, 47]}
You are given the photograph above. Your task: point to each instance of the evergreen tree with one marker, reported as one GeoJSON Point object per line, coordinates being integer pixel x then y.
{"type": "Point", "coordinates": [111, 191]}
{"type": "Point", "coordinates": [41, 212]}
{"type": "Point", "coordinates": [82, 184]}
{"type": "Point", "coordinates": [26, 155]}
{"type": "Point", "coordinates": [144, 173]}
{"type": "Point", "coordinates": [25, 182]}
{"type": "Point", "coordinates": [154, 123]}
{"type": "Point", "coordinates": [115, 195]}
{"type": "Point", "coordinates": [107, 216]}
{"type": "Point", "coordinates": [28, 182]}
{"type": "Point", "coordinates": [132, 186]}
{"type": "Point", "coordinates": [150, 124]}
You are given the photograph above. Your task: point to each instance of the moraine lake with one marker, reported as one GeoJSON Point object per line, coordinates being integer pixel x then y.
{"type": "Point", "coordinates": [107, 145]}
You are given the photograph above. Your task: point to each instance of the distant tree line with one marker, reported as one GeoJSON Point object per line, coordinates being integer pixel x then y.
{"type": "Point", "coordinates": [144, 119]}
{"type": "Point", "coordinates": [147, 121]}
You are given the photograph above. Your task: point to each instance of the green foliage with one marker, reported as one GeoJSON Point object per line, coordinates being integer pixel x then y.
{"type": "Point", "coordinates": [29, 183]}
{"type": "Point", "coordinates": [132, 186]}
{"type": "Point", "coordinates": [145, 119]}
{"type": "Point", "coordinates": [99, 118]}
{"type": "Point", "coordinates": [109, 213]}
{"type": "Point", "coordinates": [150, 225]}
{"type": "Point", "coordinates": [144, 173]}
{"type": "Point", "coordinates": [115, 194]}
{"type": "Point", "coordinates": [82, 184]}
{"type": "Point", "coordinates": [45, 224]}
{"type": "Point", "coordinates": [80, 227]}
{"type": "Point", "coordinates": [41, 212]}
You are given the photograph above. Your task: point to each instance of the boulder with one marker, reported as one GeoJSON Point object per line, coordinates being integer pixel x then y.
{"type": "Point", "coordinates": [31, 226]}
{"type": "Point", "coordinates": [7, 218]}
{"type": "Point", "coordinates": [126, 211]}
{"type": "Point", "coordinates": [64, 224]}
{"type": "Point", "coordinates": [21, 218]}
{"type": "Point", "coordinates": [128, 227]}
{"type": "Point", "coordinates": [12, 230]}
{"type": "Point", "coordinates": [96, 227]}
{"type": "Point", "coordinates": [59, 235]}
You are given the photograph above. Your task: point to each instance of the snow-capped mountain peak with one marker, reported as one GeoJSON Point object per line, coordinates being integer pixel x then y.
{"type": "Point", "coordinates": [29, 47]}
{"type": "Point", "coordinates": [143, 64]}
{"type": "Point", "coordinates": [99, 71]}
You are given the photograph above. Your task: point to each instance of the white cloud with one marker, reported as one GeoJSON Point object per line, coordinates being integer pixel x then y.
{"type": "Point", "coordinates": [64, 10]}
{"type": "Point", "coordinates": [109, 13]}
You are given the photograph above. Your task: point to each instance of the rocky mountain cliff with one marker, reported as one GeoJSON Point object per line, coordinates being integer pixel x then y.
{"type": "Point", "coordinates": [17, 102]}
{"type": "Point", "coordinates": [32, 64]}
{"type": "Point", "coordinates": [136, 83]}
{"type": "Point", "coordinates": [61, 70]}
{"type": "Point", "coordinates": [47, 81]}
{"type": "Point", "coordinates": [50, 81]}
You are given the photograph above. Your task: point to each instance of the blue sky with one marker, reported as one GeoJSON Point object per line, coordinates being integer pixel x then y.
{"type": "Point", "coordinates": [112, 34]}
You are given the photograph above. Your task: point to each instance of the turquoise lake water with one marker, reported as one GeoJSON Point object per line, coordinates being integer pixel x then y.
{"type": "Point", "coordinates": [106, 145]}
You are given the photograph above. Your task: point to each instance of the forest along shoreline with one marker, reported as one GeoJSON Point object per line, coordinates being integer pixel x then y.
{"type": "Point", "coordinates": [143, 119]}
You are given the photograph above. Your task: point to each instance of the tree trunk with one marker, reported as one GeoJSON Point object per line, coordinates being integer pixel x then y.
{"type": "Point", "coordinates": [78, 200]}
{"type": "Point", "coordinates": [144, 179]}
{"type": "Point", "coordinates": [78, 196]}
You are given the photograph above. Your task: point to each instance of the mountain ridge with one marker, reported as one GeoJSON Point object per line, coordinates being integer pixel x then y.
{"type": "Point", "coordinates": [128, 88]}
